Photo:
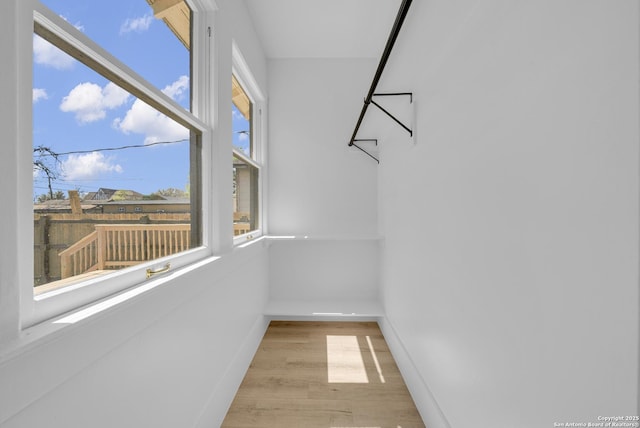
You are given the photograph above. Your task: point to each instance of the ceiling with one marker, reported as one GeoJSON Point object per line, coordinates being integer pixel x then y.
{"type": "Point", "coordinates": [323, 28]}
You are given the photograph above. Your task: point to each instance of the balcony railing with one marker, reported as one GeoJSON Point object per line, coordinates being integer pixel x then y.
{"type": "Point", "coordinates": [115, 246]}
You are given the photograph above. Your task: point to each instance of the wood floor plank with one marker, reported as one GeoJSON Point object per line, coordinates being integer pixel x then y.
{"type": "Point", "coordinates": [325, 375]}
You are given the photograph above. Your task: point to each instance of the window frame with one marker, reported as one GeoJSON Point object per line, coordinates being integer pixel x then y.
{"type": "Point", "coordinates": [242, 73]}
{"type": "Point", "coordinates": [35, 309]}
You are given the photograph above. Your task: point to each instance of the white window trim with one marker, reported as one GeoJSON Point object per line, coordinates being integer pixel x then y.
{"type": "Point", "coordinates": [34, 310]}
{"type": "Point", "coordinates": [247, 81]}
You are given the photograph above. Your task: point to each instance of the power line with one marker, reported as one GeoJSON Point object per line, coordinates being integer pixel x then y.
{"type": "Point", "coordinates": [107, 149]}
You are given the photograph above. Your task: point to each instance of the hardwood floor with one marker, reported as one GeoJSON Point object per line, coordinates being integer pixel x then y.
{"type": "Point", "coordinates": [323, 374]}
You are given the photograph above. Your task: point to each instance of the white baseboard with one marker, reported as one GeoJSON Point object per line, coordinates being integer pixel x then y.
{"type": "Point", "coordinates": [222, 396]}
{"type": "Point", "coordinates": [423, 398]}
{"type": "Point", "coordinates": [324, 310]}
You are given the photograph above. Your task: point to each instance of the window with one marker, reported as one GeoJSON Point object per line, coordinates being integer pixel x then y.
{"type": "Point", "coordinates": [246, 161]}
{"type": "Point", "coordinates": [106, 134]}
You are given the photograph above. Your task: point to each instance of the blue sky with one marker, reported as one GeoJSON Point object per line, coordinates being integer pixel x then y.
{"type": "Point", "coordinates": [77, 110]}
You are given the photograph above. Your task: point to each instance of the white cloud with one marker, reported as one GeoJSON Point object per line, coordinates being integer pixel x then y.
{"type": "Point", "coordinates": [90, 102]}
{"type": "Point", "coordinates": [114, 96]}
{"type": "Point", "coordinates": [155, 126]}
{"type": "Point", "coordinates": [243, 136]}
{"type": "Point", "coordinates": [143, 119]}
{"type": "Point", "coordinates": [177, 88]}
{"type": "Point", "coordinates": [44, 53]}
{"type": "Point", "coordinates": [137, 25]}
{"type": "Point", "coordinates": [89, 165]}
{"type": "Point", "coordinates": [39, 94]}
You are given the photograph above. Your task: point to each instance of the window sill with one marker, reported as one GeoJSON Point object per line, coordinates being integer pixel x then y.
{"type": "Point", "coordinates": [61, 300]}
{"type": "Point", "coordinates": [45, 331]}
{"type": "Point", "coordinates": [48, 330]}
{"type": "Point", "coordinates": [247, 238]}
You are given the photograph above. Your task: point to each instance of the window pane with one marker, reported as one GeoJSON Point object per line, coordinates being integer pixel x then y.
{"type": "Point", "coordinates": [115, 182]}
{"type": "Point", "coordinates": [245, 175]}
{"type": "Point", "coordinates": [245, 197]}
{"type": "Point", "coordinates": [152, 37]}
{"type": "Point", "coordinates": [242, 111]}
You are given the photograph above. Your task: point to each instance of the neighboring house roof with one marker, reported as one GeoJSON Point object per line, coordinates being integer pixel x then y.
{"type": "Point", "coordinates": [105, 194]}
{"type": "Point", "coordinates": [176, 15]}
{"type": "Point", "coordinates": [126, 195]}
{"type": "Point", "coordinates": [102, 194]}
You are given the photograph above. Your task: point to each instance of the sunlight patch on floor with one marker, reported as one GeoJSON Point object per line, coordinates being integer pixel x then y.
{"type": "Point", "coordinates": [375, 359]}
{"type": "Point", "coordinates": [344, 360]}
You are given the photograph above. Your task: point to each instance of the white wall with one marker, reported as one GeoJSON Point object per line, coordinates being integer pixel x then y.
{"type": "Point", "coordinates": [515, 287]}
{"type": "Point", "coordinates": [172, 356]}
{"type": "Point", "coordinates": [330, 270]}
{"type": "Point", "coordinates": [319, 187]}
{"type": "Point", "coordinates": [9, 296]}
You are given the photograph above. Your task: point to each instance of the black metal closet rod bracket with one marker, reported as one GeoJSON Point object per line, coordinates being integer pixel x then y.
{"type": "Point", "coordinates": [395, 94]}
{"type": "Point", "coordinates": [393, 35]}
{"type": "Point", "coordinates": [406, 128]}
{"type": "Point", "coordinates": [363, 150]}
{"type": "Point", "coordinates": [375, 140]}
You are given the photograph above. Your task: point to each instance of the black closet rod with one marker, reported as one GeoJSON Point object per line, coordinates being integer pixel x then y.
{"type": "Point", "coordinates": [395, 30]}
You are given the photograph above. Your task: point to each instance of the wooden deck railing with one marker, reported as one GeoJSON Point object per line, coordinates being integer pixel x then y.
{"type": "Point", "coordinates": [81, 257]}
{"type": "Point", "coordinates": [114, 246]}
